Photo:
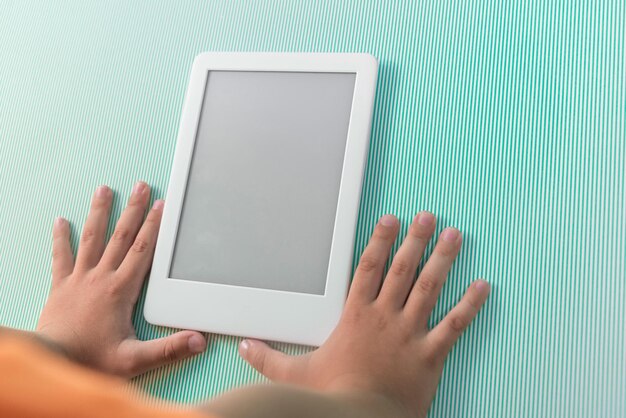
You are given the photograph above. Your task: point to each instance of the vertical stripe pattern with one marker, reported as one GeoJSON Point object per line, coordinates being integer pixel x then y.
{"type": "Point", "coordinates": [505, 119]}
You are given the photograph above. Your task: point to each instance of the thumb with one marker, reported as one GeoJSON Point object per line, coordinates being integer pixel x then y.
{"type": "Point", "coordinates": [147, 355]}
{"type": "Point", "coordinates": [269, 362]}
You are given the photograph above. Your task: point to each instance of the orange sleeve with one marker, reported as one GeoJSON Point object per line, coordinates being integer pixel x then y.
{"type": "Point", "coordinates": [35, 383]}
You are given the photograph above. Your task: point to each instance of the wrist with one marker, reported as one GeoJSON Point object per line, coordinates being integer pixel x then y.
{"type": "Point", "coordinates": [53, 345]}
{"type": "Point", "coordinates": [38, 338]}
{"type": "Point", "coordinates": [380, 402]}
{"type": "Point", "coordinates": [59, 339]}
{"type": "Point", "coordinates": [283, 400]}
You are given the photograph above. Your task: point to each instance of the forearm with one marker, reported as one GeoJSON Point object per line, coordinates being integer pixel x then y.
{"type": "Point", "coordinates": [277, 400]}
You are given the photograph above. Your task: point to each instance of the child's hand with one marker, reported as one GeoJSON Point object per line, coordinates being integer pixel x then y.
{"type": "Point", "coordinates": [88, 313]}
{"type": "Point", "coordinates": [382, 343]}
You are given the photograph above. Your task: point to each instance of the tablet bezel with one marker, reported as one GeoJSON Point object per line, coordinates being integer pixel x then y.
{"type": "Point", "coordinates": [254, 312]}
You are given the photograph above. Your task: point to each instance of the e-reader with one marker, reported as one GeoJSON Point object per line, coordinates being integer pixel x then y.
{"type": "Point", "coordinates": [258, 229]}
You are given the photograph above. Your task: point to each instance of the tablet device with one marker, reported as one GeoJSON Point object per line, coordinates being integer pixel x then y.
{"type": "Point", "coordinates": [258, 229]}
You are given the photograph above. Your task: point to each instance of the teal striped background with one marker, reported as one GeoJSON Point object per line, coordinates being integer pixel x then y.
{"type": "Point", "coordinates": [504, 118]}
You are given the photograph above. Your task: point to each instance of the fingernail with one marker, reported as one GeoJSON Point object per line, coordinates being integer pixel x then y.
{"type": "Point", "coordinates": [59, 222]}
{"type": "Point", "coordinates": [450, 235]}
{"type": "Point", "coordinates": [196, 344]}
{"type": "Point", "coordinates": [388, 220]}
{"type": "Point", "coordinates": [482, 286]}
{"type": "Point", "coordinates": [102, 191]}
{"type": "Point", "coordinates": [425, 218]}
{"type": "Point", "coordinates": [158, 205]}
{"type": "Point", "coordinates": [244, 346]}
{"type": "Point", "coordinates": [139, 188]}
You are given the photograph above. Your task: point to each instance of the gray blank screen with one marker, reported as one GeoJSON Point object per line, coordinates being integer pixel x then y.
{"type": "Point", "coordinates": [261, 197]}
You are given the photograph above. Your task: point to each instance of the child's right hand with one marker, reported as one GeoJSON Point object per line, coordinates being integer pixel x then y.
{"type": "Point", "coordinates": [382, 343]}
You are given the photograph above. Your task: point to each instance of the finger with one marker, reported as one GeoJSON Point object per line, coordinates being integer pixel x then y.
{"type": "Point", "coordinates": [62, 257]}
{"type": "Point", "coordinates": [369, 272]}
{"type": "Point", "coordinates": [93, 235]}
{"type": "Point", "coordinates": [146, 355]}
{"type": "Point", "coordinates": [127, 226]}
{"type": "Point", "coordinates": [270, 363]}
{"type": "Point", "coordinates": [137, 262]}
{"type": "Point", "coordinates": [448, 331]}
{"type": "Point", "coordinates": [400, 277]}
{"type": "Point", "coordinates": [426, 289]}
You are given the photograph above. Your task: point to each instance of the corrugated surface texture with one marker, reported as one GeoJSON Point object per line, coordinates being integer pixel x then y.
{"type": "Point", "coordinates": [504, 118]}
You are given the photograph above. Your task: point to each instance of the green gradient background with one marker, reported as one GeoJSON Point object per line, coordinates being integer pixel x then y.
{"type": "Point", "coordinates": [506, 119]}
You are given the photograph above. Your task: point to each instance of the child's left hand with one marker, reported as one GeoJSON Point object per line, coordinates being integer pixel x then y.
{"type": "Point", "coordinates": [88, 313]}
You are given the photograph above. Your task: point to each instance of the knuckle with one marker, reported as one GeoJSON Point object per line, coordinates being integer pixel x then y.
{"type": "Point", "coordinates": [426, 284]}
{"type": "Point", "coordinates": [120, 234]}
{"type": "Point", "coordinates": [115, 289]}
{"type": "Point", "coordinates": [136, 202]}
{"type": "Point", "coordinates": [400, 267]}
{"type": "Point", "coordinates": [58, 234]}
{"type": "Point", "coordinates": [447, 250]}
{"type": "Point", "coordinates": [57, 252]}
{"type": "Point", "coordinates": [140, 245]}
{"type": "Point", "coordinates": [380, 323]}
{"type": "Point", "coordinates": [382, 233]}
{"type": "Point", "coordinates": [457, 323]}
{"type": "Point", "coordinates": [262, 362]}
{"type": "Point", "coordinates": [473, 302]}
{"type": "Point", "coordinates": [418, 233]}
{"type": "Point", "coordinates": [406, 332]}
{"type": "Point", "coordinates": [88, 236]}
{"type": "Point", "coordinates": [99, 204]}
{"type": "Point", "coordinates": [367, 263]}
{"type": "Point", "coordinates": [259, 362]}
{"type": "Point", "coordinates": [352, 315]}
{"type": "Point", "coordinates": [152, 219]}
{"type": "Point", "coordinates": [169, 352]}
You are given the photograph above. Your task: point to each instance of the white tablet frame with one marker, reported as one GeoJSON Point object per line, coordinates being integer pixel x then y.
{"type": "Point", "coordinates": [262, 313]}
